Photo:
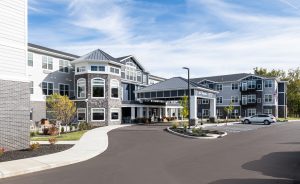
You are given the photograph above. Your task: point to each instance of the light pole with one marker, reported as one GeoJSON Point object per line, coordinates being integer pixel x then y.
{"type": "Point", "coordinates": [189, 96]}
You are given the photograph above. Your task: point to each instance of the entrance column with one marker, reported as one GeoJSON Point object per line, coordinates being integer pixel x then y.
{"type": "Point", "coordinates": [194, 109]}
{"type": "Point", "coordinates": [166, 112]}
{"type": "Point", "coordinates": [147, 112]}
{"type": "Point", "coordinates": [132, 113]}
{"type": "Point", "coordinates": [140, 112]}
{"type": "Point", "coordinates": [159, 113]}
{"type": "Point", "coordinates": [213, 109]}
{"type": "Point", "coordinates": [176, 113]}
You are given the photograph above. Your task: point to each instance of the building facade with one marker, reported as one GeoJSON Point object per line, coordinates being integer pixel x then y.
{"type": "Point", "coordinates": [249, 95]}
{"type": "Point", "coordinates": [14, 93]}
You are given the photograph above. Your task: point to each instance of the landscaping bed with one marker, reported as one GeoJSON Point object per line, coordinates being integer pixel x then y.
{"type": "Point", "coordinates": [72, 136]}
{"type": "Point", "coordinates": [27, 153]}
{"type": "Point", "coordinates": [196, 132]}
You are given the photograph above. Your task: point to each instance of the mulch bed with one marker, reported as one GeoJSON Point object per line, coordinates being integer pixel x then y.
{"type": "Point", "coordinates": [43, 150]}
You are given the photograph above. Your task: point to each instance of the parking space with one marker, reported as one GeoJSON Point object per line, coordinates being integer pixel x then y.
{"type": "Point", "coordinates": [242, 127]}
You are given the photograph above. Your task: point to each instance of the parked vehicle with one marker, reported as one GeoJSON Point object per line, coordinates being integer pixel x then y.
{"type": "Point", "coordinates": [259, 118]}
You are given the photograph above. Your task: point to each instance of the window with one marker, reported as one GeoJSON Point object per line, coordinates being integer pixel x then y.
{"type": "Point", "coordinates": [235, 113]}
{"type": "Point", "coordinates": [30, 59]}
{"type": "Point", "coordinates": [219, 112]}
{"type": "Point", "coordinates": [81, 88]}
{"type": "Point", "coordinates": [31, 114]}
{"type": "Point", "coordinates": [244, 86]}
{"type": "Point", "coordinates": [205, 112]}
{"type": "Point", "coordinates": [235, 86]}
{"type": "Point", "coordinates": [145, 79]}
{"type": "Point", "coordinates": [114, 70]}
{"type": "Point", "coordinates": [268, 111]}
{"type": "Point", "coordinates": [251, 98]}
{"type": "Point", "coordinates": [251, 112]}
{"type": "Point", "coordinates": [268, 98]}
{"type": "Point", "coordinates": [219, 100]}
{"type": "Point", "coordinates": [31, 87]}
{"type": "Point", "coordinates": [64, 66]}
{"type": "Point", "coordinates": [64, 89]}
{"type": "Point", "coordinates": [98, 68]}
{"type": "Point", "coordinates": [98, 114]}
{"type": "Point", "coordinates": [47, 88]}
{"type": "Point", "coordinates": [47, 63]}
{"type": "Point", "coordinates": [139, 76]}
{"type": "Point", "coordinates": [244, 100]}
{"type": "Point", "coordinates": [268, 83]}
{"type": "Point", "coordinates": [219, 87]}
{"type": "Point", "coordinates": [81, 114]}
{"type": "Point", "coordinates": [98, 88]}
{"type": "Point", "coordinates": [258, 100]}
{"type": "Point", "coordinates": [259, 86]}
{"type": "Point", "coordinates": [205, 101]}
{"type": "Point", "coordinates": [114, 85]}
{"type": "Point", "coordinates": [114, 114]}
{"type": "Point", "coordinates": [251, 84]}
{"type": "Point", "coordinates": [234, 99]}
{"type": "Point", "coordinates": [81, 69]}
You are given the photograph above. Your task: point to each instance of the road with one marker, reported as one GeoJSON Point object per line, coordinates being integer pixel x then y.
{"type": "Point", "coordinates": [149, 155]}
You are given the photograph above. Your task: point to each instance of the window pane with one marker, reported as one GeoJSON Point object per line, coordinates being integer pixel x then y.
{"type": "Point", "coordinates": [98, 91]}
{"type": "Point", "coordinates": [98, 116]}
{"type": "Point", "coordinates": [114, 93]}
{"type": "Point", "coordinates": [101, 68]}
{"type": "Point", "coordinates": [44, 60]}
{"type": "Point", "coordinates": [115, 115]}
{"type": "Point", "coordinates": [94, 68]}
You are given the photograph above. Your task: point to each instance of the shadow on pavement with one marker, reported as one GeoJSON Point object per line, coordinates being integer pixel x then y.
{"type": "Point", "coordinates": [290, 143]}
{"type": "Point", "coordinates": [278, 165]}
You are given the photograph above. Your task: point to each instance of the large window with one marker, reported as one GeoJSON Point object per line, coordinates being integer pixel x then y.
{"type": "Point", "coordinates": [81, 88]}
{"type": "Point", "coordinates": [47, 88]}
{"type": "Point", "coordinates": [115, 114]}
{"type": "Point", "coordinates": [205, 112]}
{"type": "Point", "coordinates": [98, 88]}
{"type": "Point", "coordinates": [234, 99]}
{"type": "Point", "coordinates": [47, 63]}
{"type": "Point", "coordinates": [95, 68]}
{"type": "Point", "coordinates": [268, 111]}
{"type": "Point", "coordinates": [252, 84]}
{"type": "Point", "coordinates": [98, 114]}
{"type": "Point", "coordinates": [244, 100]}
{"type": "Point", "coordinates": [219, 100]}
{"type": "Point", "coordinates": [31, 87]}
{"type": "Point", "coordinates": [114, 70]}
{"type": "Point", "coordinates": [251, 112]}
{"type": "Point", "coordinates": [114, 85]}
{"type": "Point", "coordinates": [251, 98]}
{"type": "Point", "coordinates": [64, 66]}
{"type": "Point", "coordinates": [268, 98]}
{"type": "Point", "coordinates": [64, 89]}
{"type": "Point", "coordinates": [81, 69]}
{"type": "Point", "coordinates": [219, 87]}
{"type": "Point", "coordinates": [30, 59]}
{"type": "Point", "coordinates": [244, 86]}
{"type": "Point", "coordinates": [268, 83]}
{"type": "Point", "coordinates": [81, 114]}
{"type": "Point", "coordinates": [235, 86]}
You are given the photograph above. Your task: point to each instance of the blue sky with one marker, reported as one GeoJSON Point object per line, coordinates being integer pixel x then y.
{"type": "Point", "coordinates": [211, 37]}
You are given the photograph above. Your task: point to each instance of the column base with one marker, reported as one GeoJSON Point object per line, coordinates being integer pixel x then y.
{"type": "Point", "coordinates": [213, 119]}
{"type": "Point", "coordinates": [193, 122]}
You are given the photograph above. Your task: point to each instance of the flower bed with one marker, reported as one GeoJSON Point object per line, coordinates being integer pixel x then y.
{"type": "Point", "coordinates": [196, 132]}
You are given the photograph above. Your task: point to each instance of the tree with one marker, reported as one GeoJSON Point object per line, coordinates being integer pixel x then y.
{"type": "Point", "coordinates": [185, 107]}
{"type": "Point", "coordinates": [62, 108]}
{"type": "Point", "coordinates": [273, 73]}
{"type": "Point", "coordinates": [229, 109]}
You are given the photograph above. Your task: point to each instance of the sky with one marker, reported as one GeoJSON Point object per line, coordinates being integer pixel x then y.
{"type": "Point", "coordinates": [211, 37]}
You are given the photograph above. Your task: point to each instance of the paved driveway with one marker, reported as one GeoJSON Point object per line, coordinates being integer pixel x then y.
{"type": "Point", "coordinates": [149, 155]}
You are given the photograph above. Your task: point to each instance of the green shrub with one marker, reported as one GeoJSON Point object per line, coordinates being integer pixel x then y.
{"type": "Point", "coordinates": [71, 128]}
{"type": "Point", "coordinates": [185, 125]}
{"type": "Point", "coordinates": [84, 126]}
{"type": "Point", "coordinates": [32, 134]}
{"type": "Point", "coordinates": [62, 130]}
{"type": "Point", "coordinates": [34, 146]}
{"type": "Point", "coordinates": [175, 125]}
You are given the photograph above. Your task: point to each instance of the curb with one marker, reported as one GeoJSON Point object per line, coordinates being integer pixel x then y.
{"type": "Point", "coordinates": [212, 136]}
{"type": "Point", "coordinates": [91, 144]}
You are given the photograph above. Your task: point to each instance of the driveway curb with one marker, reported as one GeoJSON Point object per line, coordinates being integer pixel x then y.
{"type": "Point", "coordinates": [91, 144]}
{"type": "Point", "coordinates": [212, 136]}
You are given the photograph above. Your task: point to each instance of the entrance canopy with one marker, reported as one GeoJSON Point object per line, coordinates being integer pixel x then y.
{"type": "Point", "coordinates": [174, 89]}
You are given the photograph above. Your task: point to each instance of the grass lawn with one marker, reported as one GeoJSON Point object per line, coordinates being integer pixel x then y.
{"type": "Point", "coordinates": [73, 136]}
{"type": "Point", "coordinates": [289, 118]}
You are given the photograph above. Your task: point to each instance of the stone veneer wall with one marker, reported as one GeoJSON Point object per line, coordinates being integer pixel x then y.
{"type": "Point", "coordinates": [14, 115]}
{"type": "Point", "coordinates": [106, 102]}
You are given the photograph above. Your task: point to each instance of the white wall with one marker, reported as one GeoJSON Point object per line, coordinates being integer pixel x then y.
{"type": "Point", "coordinates": [13, 39]}
{"type": "Point", "coordinates": [38, 75]}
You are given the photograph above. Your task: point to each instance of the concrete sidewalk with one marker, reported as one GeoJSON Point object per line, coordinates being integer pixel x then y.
{"type": "Point", "coordinates": [91, 144]}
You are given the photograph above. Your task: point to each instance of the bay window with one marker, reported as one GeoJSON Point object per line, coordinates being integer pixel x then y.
{"type": "Point", "coordinates": [81, 88]}
{"type": "Point", "coordinates": [114, 85]}
{"type": "Point", "coordinates": [98, 88]}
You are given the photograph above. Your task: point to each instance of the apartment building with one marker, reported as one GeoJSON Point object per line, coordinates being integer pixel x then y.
{"type": "Point", "coordinates": [14, 93]}
{"type": "Point", "coordinates": [102, 86]}
{"type": "Point", "coordinates": [249, 95]}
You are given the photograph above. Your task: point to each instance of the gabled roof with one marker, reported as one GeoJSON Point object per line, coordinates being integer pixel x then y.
{"type": "Point", "coordinates": [124, 59]}
{"type": "Point", "coordinates": [96, 55]}
{"type": "Point", "coordinates": [223, 78]}
{"type": "Point", "coordinates": [51, 50]}
{"type": "Point", "coordinates": [175, 83]}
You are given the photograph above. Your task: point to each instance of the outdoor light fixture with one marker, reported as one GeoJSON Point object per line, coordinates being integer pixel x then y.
{"type": "Point", "coordinates": [189, 95]}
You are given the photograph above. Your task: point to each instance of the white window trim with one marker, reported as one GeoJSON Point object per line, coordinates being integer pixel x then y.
{"type": "Point", "coordinates": [266, 84]}
{"type": "Point", "coordinates": [111, 81]}
{"type": "Point", "coordinates": [268, 98]}
{"type": "Point", "coordinates": [48, 87]}
{"type": "Point", "coordinates": [98, 71]}
{"type": "Point", "coordinates": [218, 85]}
{"type": "Point", "coordinates": [92, 111]}
{"type": "Point", "coordinates": [47, 58]}
{"type": "Point", "coordinates": [64, 87]}
{"type": "Point", "coordinates": [84, 113]}
{"type": "Point", "coordinates": [234, 84]}
{"type": "Point", "coordinates": [84, 87]}
{"type": "Point", "coordinates": [114, 110]}
{"type": "Point", "coordinates": [80, 72]}
{"type": "Point", "coordinates": [234, 97]}
{"type": "Point", "coordinates": [68, 65]}
{"type": "Point", "coordinates": [92, 88]}
{"type": "Point", "coordinates": [220, 97]}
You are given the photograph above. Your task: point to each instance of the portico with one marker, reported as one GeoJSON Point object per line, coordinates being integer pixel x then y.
{"type": "Point", "coordinates": [172, 91]}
